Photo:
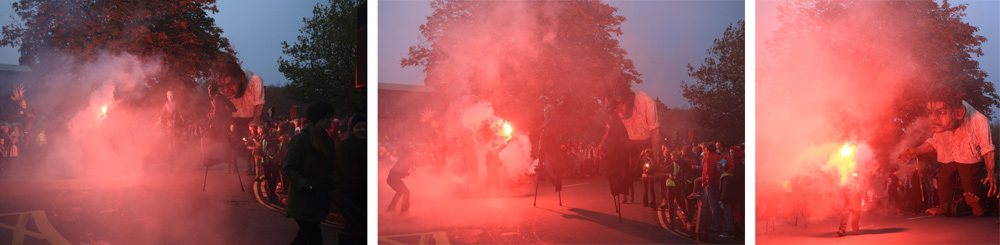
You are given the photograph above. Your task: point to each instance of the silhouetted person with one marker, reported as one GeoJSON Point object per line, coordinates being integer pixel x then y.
{"type": "Point", "coordinates": [395, 180]}
{"type": "Point", "coordinates": [215, 141]}
{"type": "Point", "coordinates": [852, 207]}
{"type": "Point", "coordinates": [353, 169]}
{"type": "Point", "coordinates": [549, 164]}
{"type": "Point", "coordinates": [714, 167]}
{"type": "Point", "coordinates": [614, 154]}
{"type": "Point", "coordinates": [270, 147]}
{"type": "Point", "coordinates": [309, 169]}
{"type": "Point", "coordinates": [171, 121]}
{"type": "Point", "coordinates": [493, 164]}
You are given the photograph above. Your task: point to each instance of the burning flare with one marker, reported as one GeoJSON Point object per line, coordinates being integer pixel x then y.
{"type": "Point", "coordinates": [845, 164]}
{"type": "Point", "coordinates": [845, 151]}
{"type": "Point", "coordinates": [104, 113]}
{"type": "Point", "coordinates": [506, 129]}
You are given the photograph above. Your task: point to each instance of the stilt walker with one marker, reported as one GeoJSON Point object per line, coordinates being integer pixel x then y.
{"type": "Point", "coordinates": [537, 183]}
{"type": "Point", "coordinates": [240, 179]}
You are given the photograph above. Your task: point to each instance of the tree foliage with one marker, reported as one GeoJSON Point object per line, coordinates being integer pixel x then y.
{"type": "Point", "coordinates": [942, 44]}
{"type": "Point", "coordinates": [522, 56]}
{"type": "Point", "coordinates": [321, 63]}
{"type": "Point", "coordinates": [277, 97]}
{"type": "Point", "coordinates": [180, 34]}
{"type": "Point", "coordinates": [866, 68]}
{"type": "Point", "coordinates": [719, 90]}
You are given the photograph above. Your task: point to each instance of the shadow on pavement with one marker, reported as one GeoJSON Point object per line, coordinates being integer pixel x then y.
{"type": "Point", "coordinates": [628, 226]}
{"type": "Point", "coordinates": [865, 232]}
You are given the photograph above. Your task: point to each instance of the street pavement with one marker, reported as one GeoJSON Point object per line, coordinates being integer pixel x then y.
{"type": "Point", "coordinates": [882, 229]}
{"type": "Point", "coordinates": [586, 216]}
{"type": "Point", "coordinates": [151, 206]}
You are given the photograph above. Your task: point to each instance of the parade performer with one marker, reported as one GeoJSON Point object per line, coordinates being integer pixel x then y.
{"type": "Point", "coordinates": [852, 205]}
{"type": "Point", "coordinates": [549, 167]}
{"type": "Point", "coordinates": [962, 142]}
{"type": "Point", "coordinates": [493, 164]}
{"type": "Point", "coordinates": [400, 170]}
{"type": "Point", "coordinates": [613, 155]}
{"type": "Point", "coordinates": [215, 140]}
{"type": "Point", "coordinates": [172, 122]}
{"type": "Point", "coordinates": [638, 114]}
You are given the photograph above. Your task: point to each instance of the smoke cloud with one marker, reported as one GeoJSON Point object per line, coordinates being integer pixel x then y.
{"type": "Point", "coordinates": [505, 62]}
{"type": "Point", "coordinates": [843, 75]}
{"type": "Point", "coordinates": [112, 160]}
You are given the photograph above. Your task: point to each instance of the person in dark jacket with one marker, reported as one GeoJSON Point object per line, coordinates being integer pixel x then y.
{"type": "Point", "coordinates": [493, 164]}
{"type": "Point", "coordinates": [395, 180]}
{"type": "Point", "coordinates": [309, 170]}
{"type": "Point", "coordinates": [216, 147]}
{"type": "Point", "coordinates": [615, 155]}
{"type": "Point", "coordinates": [352, 171]}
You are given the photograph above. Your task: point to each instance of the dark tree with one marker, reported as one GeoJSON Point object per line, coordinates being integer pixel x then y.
{"type": "Point", "coordinates": [321, 63]}
{"type": "Point", "coordinates": [941, 42]}
{"type": "Point", "coordinates": [718, 92]}
{"type": "Point", "coordinates": [522, 56]}
{"type": "Point", "coordinates": [180, 34]}
{"type": "Point", "coordinates": [277, 97]}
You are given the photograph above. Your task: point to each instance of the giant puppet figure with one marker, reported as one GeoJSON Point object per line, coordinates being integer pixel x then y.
{"type": "Point", "coordinates": [963, 145]}
{"type": "Point", "coordinates": [244, 89]}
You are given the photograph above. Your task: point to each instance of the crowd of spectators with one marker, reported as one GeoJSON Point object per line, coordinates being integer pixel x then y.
{"type": "Point", "coordinates": [18, 142]}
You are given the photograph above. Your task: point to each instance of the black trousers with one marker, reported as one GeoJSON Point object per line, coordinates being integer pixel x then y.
{"type": "Point", "coordinates": [395, 182]}
{"type": "Point", "coordinates": [852, 211]}
{"type": "Point", "coordinates": [309, 233]}
{"type": "Point", "coordinates": [272, 172]}
{"type": "Point", "coordinates": [946, 180]}
{"type": "Point", "coordinates": [676, 199]}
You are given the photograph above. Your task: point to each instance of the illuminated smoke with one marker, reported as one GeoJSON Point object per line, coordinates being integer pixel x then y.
{"type": "Point", "coordinates": [488, 74]}
{"type": "Point", "coordinates": [827, 80]}
{"type": "Point", "coordinates": [100, 120]}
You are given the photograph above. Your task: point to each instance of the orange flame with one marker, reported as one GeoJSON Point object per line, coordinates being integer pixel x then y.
{"type": "Point", "coordinates": [507, 129]}
{"type": "Point", "coordinates": [104, 109]}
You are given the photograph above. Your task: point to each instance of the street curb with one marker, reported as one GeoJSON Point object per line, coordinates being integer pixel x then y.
{"type": "Point", "coordinates": [659, 216]}
{"type": "Point", "coordinates": [260, 196]}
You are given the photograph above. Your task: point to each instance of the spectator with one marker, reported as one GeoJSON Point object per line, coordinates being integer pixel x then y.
{"type": "Point", "coordinates": [353, 168]}
{"type": "Point", "coordinates": [309, 169]}
{"type": "Point", "coordinates": [713, 168]}
{"type": "Point", "coordinates": [270, 147]}
{"type": "Point", "coordinates": [675, 183]}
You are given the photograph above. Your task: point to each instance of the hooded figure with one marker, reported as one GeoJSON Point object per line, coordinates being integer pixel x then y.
{"type": "Point", "coordinates": [352, 172]}
{"type": "Point", "coordinates": [309, 169]}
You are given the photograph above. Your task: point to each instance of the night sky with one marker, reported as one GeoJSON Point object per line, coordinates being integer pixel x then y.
{"type": "Point", "coordinates": [979, 13]}
{"type": "Point", "coordinates": [255, 28]}
{"type": "Point", "coordinates": [662, 37]}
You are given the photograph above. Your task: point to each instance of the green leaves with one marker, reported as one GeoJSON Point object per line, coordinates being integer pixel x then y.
{"type": "Point", "coordinates": [522, 55]}
{"type": "Point", "coordinates": [178, 32]}
{"type": "Point", "coordinates": [718, 91]}
{"type": "Point", "coordinates": [321, 63]}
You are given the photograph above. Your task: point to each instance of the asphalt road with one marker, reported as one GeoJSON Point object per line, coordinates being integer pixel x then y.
{"type": "Point", "coordinates": [586, 216]}
{"type": "Point", "coordinates": [151, 207]}
{"type": "Point", "coordinates": [882, 229]}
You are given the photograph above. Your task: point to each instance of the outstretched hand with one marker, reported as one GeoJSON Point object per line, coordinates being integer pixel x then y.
{"type": "Point", "coordinates": [992, 182]}
{"type": "Point", "coordinates": [908, 155]}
